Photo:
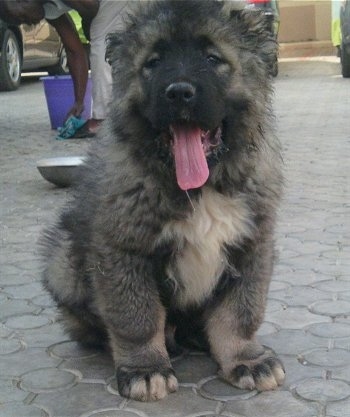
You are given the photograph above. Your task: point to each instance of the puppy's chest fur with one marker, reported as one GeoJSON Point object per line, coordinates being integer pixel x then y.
{"type": "Point", "coordinates": [200, 259]}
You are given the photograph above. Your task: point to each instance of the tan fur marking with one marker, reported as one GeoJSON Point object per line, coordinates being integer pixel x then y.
{"type": "Point", "coordinates": [157, 343]}
{"type": "Point", "coordinates": [246, 382]}
{"type": "Point", "coordinates": [158, 388]}
{"type": "Point", "coordinates": [172, 383]}
{"type": "Point", "coordinates": [138, 390]}
{"type": "Point", "coordinates": [226, 348]}
{"type": "Point", "coordinates": [201, 259]}
{"type": "Point", "coordinates": [224, 345]}
{"type": "Point", "coordinates": [279, 375]}
{"type": "Point", "coordinates": [266, 383]}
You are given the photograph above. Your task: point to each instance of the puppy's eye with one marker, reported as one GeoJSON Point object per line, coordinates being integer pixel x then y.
{"type": "Point", "coordinates": [214, 59]}
{"type": "Point", "coordinates": [152, 62]}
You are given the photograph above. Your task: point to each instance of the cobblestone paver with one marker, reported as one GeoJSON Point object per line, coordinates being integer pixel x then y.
{"type": "Point", "coordinates": [43, 373]}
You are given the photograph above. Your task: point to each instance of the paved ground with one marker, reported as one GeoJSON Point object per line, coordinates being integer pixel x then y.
{"type": "Point", "coordinates": [42, 373]}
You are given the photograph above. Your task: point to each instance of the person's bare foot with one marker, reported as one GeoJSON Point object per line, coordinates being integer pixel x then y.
{"type": "Point", "coordinates": [89, 129]}
{"type": "Point", "coordinates": [94, 124]}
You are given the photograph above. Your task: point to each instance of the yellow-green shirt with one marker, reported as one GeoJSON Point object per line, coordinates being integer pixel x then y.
{"type": "Point", "coordinates": [77, 22]}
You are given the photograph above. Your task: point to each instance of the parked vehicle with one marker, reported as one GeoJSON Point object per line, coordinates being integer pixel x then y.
{"type": "Point", "coordinates": [29, 48]}
{"type": "Point", "coordinates": [271, 11]}
{"type": "Point", "coordinates": [345, 38]}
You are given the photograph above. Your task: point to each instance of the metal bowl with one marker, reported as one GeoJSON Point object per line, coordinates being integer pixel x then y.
{"type": "Point", "coordinates": [60, 171]}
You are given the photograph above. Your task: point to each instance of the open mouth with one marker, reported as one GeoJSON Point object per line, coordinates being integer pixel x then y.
{"type": "Point", "coordinates": [192, 147]}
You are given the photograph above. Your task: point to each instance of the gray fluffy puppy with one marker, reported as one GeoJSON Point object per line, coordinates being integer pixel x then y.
{"type": "Point", "coordinates": [169, 237]}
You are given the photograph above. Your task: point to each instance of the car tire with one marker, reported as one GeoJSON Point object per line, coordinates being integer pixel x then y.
{"type": "Point", "coordinates": [345, 61]}
{"type": "Point", "coordinates": [10, 62]}
{"type": "Point", "coordinates": [61, 68]}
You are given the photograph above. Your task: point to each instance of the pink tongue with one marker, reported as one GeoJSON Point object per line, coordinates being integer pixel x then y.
{"type": "Point", "coordinates": [191, 164]}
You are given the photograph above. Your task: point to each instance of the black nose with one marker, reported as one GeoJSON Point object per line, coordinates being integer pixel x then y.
{"type": "Point", "coordinates": [180, 92]}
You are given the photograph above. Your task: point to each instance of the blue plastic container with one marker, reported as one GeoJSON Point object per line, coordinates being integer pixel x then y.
{"type": "Point", "coordinates": [59, 93]}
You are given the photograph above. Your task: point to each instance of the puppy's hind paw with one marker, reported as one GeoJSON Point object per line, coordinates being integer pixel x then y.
{"type": "Point", "coordinates": [146, 384]}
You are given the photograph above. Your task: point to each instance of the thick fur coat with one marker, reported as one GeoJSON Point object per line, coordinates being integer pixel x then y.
{"type": "Point", "coordinates": [169, 236]}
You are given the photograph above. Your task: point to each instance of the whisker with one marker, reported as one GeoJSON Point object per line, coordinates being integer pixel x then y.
{"type": "Point", "coordinates": [189, 198]}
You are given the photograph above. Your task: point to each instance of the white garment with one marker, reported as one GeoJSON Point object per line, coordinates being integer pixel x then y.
{"type": "Point", "coordinates": [54, 9]}
{"type": "Point", "coordinates": [107, 20]}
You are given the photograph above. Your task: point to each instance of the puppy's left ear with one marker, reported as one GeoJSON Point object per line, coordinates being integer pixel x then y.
{"type": "Point", "coordinates": [113, 40]}
{"type": "Point", "coordinates": [256, 33]}
{"type": "Point", "coordinates": [251, 20]}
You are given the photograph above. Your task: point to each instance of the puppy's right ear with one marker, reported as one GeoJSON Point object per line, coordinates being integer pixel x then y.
{"type": "Point", "coordinates": [113, 40]}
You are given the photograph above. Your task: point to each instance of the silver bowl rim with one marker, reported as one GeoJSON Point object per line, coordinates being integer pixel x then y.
{"type": "Point", "coordinates": [61, 161]}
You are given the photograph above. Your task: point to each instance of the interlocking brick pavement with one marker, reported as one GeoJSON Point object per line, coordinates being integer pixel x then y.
{"type": "Point", "coordinates": [43, 373]}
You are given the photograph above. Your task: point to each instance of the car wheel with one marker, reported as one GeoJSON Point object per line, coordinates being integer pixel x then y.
{"type": "Point", "coordinates": [61, 68]}
{"type": "Point", "coordinates": [10, 62]}
{"type": "Point", "coordinates": [345, 61]}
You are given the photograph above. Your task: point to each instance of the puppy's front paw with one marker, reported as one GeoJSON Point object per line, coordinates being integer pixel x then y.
{"type": "Point", "coordinates": [146, 384]}
{"type": "Point", "coordinates": [266, 372]}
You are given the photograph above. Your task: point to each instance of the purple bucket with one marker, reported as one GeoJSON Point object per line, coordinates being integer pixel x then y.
{"type": "Point", "coordinates": [59, 93]}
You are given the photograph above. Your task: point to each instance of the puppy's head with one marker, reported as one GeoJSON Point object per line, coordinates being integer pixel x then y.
{"type": "Point", "coordinates": [188, 71]}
